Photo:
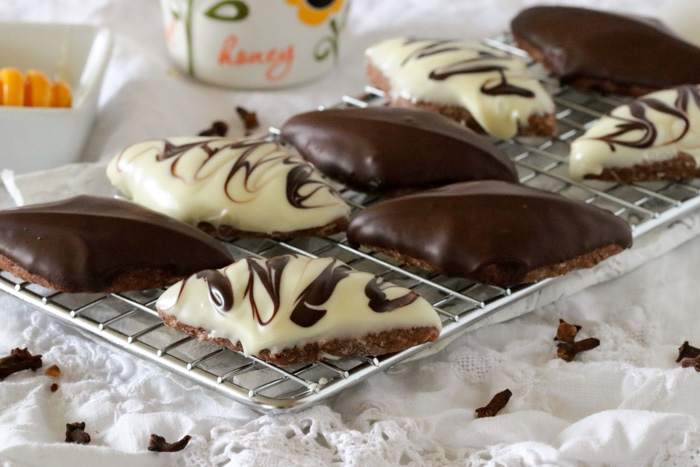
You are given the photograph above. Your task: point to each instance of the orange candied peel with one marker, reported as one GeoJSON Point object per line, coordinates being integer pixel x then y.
{"type": "Point", "coordinates": [60, 95]}
{"type": "Point", "coordinates": [12, 87]}
{"type": "Point", "coordinates": [34, 89]}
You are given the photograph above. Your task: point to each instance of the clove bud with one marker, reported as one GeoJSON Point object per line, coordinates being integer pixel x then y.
{"type": "Point", "coordinates": [75, 433]}
{"type": "Point", "coordinates": [568, 350]}
{"type": "Point", "coordinates": [218, 128]}
{"type": "Point", "coordinates": [567, 332]}
{"type": "Point", "coordinates": [687, 351]}
{"type": "Point", "coordinates": [18, 360]}
{"type": "Point", "coordinates": [497, 403]}
{"type": "Point", "coordinates": [158, 444]}
{"type": "Point", "coordinates": [250, 119]}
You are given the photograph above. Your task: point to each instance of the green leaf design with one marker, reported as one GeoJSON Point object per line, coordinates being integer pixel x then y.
{"type": "Point", "coordinates": [240, 7]}
{"type": "Point", "coordinates": [334, 27]}
{"type": "Point", "coordinates": [175, 14]}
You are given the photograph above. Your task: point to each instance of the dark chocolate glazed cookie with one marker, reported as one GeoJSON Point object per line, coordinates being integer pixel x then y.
{"type": "Point", "coordinates": [90, 244]}
{"type": "Point", "coordinates": [386, 150]}
{"type": "Point", "coordinates": [491, 232]}
{"type": "Point", "coordinates": [604, 51]}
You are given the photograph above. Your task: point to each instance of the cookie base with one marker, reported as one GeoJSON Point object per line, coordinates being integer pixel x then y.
{"type": "Point", "coordinates": [379, 343]}
{"type": "Point", "coordinates": [136, 279]}
{"type": "Point", "coordinates": [508, 275]}
{"type": "Point", "coordinates": [227, 232]}
{"type": "Point", "coordinates": [680, 167]}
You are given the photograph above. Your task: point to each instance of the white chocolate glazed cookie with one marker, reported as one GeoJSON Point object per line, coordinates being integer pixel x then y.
{"type": "Point", "coordinates": [247, 185]}
{"type": "Point", "coordinates": [289, 302]}
{"type": "Point", "coordinates": [643, 136]}
{"type": "Point", "coordinates": [496, 89]}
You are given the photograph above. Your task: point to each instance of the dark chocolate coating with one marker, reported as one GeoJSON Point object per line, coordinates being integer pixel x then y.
{"type": "Point", "coordinates": [83, 243]}
{"type": "Point", "coordinates": [388, 149]}
{"type": "Point", "coordinates": [461, 229]}
{"type": "Point", "coordinates": [582, 43]}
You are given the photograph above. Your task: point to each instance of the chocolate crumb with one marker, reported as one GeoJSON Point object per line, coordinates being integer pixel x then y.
{"type": "Point", "coordinates": [687, 351]}
{"type": "Point", "coordinates": [75, 433]}
{"type": "Point", "coordinates": [250, 119]}
{"type": "Point", "coordinates": [497, 403]}
{"type": "Point", "coordinates": [53, 371]}
{"type": "Point", "coordinates": [54, 387]}
{"type": "Point", "coordinates": [567, 332]}
{"type": "Point", "coordinates": [18, 360]}
{"type": "Point", "coordinates": [158, 444]}
{"type": "Point", "coordinates": [568, 350]}
{"type": "Point", "coordinates": [218, 128]}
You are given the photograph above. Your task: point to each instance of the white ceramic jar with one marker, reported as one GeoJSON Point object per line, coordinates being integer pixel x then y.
{"type": "Point", "coordinates": [254, 44]}
{"type": "Point", "coordinates": [682, 17]}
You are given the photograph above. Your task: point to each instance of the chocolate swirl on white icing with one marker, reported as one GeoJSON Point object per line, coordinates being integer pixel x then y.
{"type": "Point", "coordinates": [220, 294]}
{"type": "Point", "coordinates": [377, 297]}
{"type": "Point", "coordinates": [494, 88]}
{"type": "Point", "coordinates": [641, 122]}
{"type": "Point", "coordinates": [481, 63]}
{"type": "Point", "coordinates": [271, 277]}
{"type": "Point", "coordinates": [250, 185]}
{"type": "Point", "coordinates": [285, 300]}
{"type": "Point", "coordinates": [306, 312]}
{"type": "Point", "coordinates": [653, 128]}
{"type": "Point", "coordinates": [297, 177]}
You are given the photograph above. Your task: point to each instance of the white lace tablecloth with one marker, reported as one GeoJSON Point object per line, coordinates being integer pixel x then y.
{"type": "Point", "coordinates": [624, 403]}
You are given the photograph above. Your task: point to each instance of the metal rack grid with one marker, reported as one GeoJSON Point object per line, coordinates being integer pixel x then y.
{"type": "Point", "coordinates": [128, 320]}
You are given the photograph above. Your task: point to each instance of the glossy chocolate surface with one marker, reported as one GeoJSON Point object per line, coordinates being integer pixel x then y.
{"type": "Point", "coordinates": [582, 43]}
{"type": "Point", "coordinates": [462, 228]}
{"type": "Point", "coordinates": [386, 149]}
{"type": "Point", "coordinates": [83, 243]}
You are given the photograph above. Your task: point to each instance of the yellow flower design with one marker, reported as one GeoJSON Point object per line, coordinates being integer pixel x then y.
{"type": "Point", "coordinates": [315, 12]}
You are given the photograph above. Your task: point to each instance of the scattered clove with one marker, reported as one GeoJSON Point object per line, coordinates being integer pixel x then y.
{"type": "Point", "coordinates": [497, 403]}
{"type": "Point", "coordinates": [75, 433]}
{"type": "Point", "coordinates": [158, 444]}
{"type": "Point", "coordinates": [567, 332]}
{"type": "Point", "coordinates": [53, 371]}
{"type": "Point", "coordinates": [54, 387]}
{"type": "Point", "coordinates": [250, 119]}
{"type": "Point", "coordinates": [218, 128]}
{"type": "Point", "coordinates": [687, 351]}
{"type": "Point", "coordinates": [18, 360]}
{"type": "Point", "coordinates": [691, 363]}
{"type": "Point", "coordinates": [568, 350]}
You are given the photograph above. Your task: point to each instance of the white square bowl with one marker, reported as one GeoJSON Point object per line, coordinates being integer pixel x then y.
{"type": "Point", "coordinates": [37, 138]}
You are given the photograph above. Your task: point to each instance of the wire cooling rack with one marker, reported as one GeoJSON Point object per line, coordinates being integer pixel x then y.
{"type": "Point", "coordinates": [128, 320]}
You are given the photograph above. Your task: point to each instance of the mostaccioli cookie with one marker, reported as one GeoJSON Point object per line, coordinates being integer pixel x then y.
{"type": "Point", "coordinates": [597, 50]}
{"type": "Point", "coordinates": [292, 309]}
{"type": "Point", "coordinates": [387, 150]}
{"type": "Point", "coordinates": [491, 232]}
{"type": "Point", "coordinates": [230, 187]}
{"type": "Point", "coordinates": [656, 137]}
{"type": "Point", "coordinates": [474, 84]}
{"type": "Point", "coordinates": [90, 244]}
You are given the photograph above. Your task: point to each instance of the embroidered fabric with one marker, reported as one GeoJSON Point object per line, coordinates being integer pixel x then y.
{"type": "Point", "coordinates": [624, 403]}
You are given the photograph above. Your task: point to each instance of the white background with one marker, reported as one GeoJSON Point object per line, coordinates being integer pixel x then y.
{"type": "Point", "coordinates": [625, 403]}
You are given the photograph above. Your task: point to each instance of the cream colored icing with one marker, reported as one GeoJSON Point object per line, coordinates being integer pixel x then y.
{"type": "Point", "coordinates": [500, 115]}
{"type": "Point", "coordinates": [348, 307]}
{"type": "Point", "coordinates": [254, 186]}
{"type": "Point", "coordinates": [653, 128]}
